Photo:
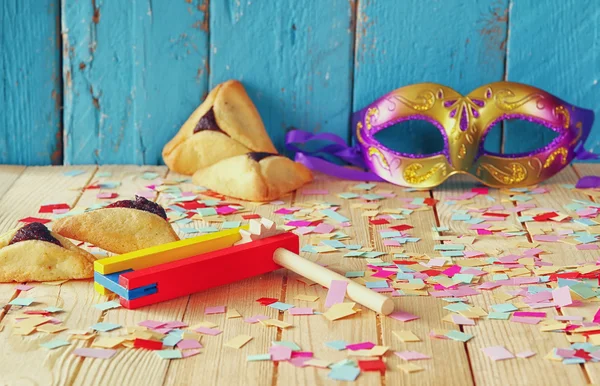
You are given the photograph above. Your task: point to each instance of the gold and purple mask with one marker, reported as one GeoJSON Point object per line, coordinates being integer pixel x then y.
{"type": "Point", "coordinates": [464, 122]}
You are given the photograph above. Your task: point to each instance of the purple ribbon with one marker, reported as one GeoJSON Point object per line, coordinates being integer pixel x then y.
{"type": "Point", "coordinates": [337, 147]}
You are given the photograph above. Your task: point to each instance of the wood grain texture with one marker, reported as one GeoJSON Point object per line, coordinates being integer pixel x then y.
{"type": "Point", "coordinates": [311, 332]}
{"type": "Point", "coordinates": [564, 254]}
{"type": "Point", "coordinates": [459, 44]}
{"type": "Point", "coordinates": [36, 186]}
{"type": "Point", "coordinates": [553, 45]}
{"type": "Point", "coordinates": [31, 97]}
{"type": "Point", "coordinates": [294, 58]}
{"type": "Point", "coordinates": [516, 337]}
{"type": "Point", "coordinates": [428, 308]}
{"type": "Point", "coordinates": [133, 71]}
{"type": "Point", "coordinates": [217, 362]}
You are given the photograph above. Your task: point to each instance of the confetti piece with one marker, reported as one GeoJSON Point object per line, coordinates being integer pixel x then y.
{"type": "Point", "coordinates": [497, 353]}
{"type": "Point", "coordinates": [53, 344]}
{"type": "Point", "coordinates": [344, 373]}
{"type": "Point", "coordinates": [232, 313]}
{"type": "Point", "coordinates": [308, 298]}
{"type": "Point", "coordinates": [104, 326]}
{"type": "Point", "coordinates": [403, 316]}
{"type": "Point", "coordinates": [340, 310]}
{"type": "Point", "coordinates": [372, 365]}
{"type": "Point", "coordinates": [301, 311]}
{"type": "Point", "coordinates": [94, 353]}
{"type": "Point", "coordinates": [336, 293]}
{"type": "Point", "coordinates": [406, 336]}
{"type": "Point", "coordinates": [21, 302]}
{"type": "Point", "coordinates": [214, 310]}
{"type": "Point", "coordinates": [29, 220]}
{"type": "Point", "coordinates": [458, 335]}
{"type": "Point", "coordinates": [280, 353]}
{"type": "Point", "coordinates": [281, 306]}
{"type": "Point", "coordinates": [336, 344]}
{"type": "Point", "coordinates": [562, 296]}
{"type": "Point", "coordinates": [409, 367]}
{"type": "Point", "coordinates": [411, 355]}
{"type": "Point", "coordinates": [73, 173]}
{"type": "Point", "coordinates": [169, 354]}
{"type": "Point", "coordinates": [525, 354]}
{"type": "Point", "coordinates": [23, 287]}
{"type": "Point", "coordinates": [239, 341]}
{"type": "Point", "coordinates": [258, 357]}
{"type": "Point", "coordinates": [208, 331]}
{"type": "Point", "coordinates": [107, 305]}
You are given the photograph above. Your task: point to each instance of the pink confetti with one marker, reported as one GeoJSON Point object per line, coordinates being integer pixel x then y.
{"type": "Point", "coordinates": [461, 320]}
{"type": "Point", "coordinates": [336, 293]}
{"type": "Point", "coordinates": [411, 355]}
{"type": "Point", "coordinates": [497, 353]}
{"type": "Point", "coordinates": [587, 247]}
{"type": "Point", "coordinates": [226, 210]}
{"type": "Point", "coordinates": [403, 316]}
{"type": "Point", "coordinates": [525, 354]}
{"type": "Point", "coordinates": [301, 311]}
{"type": "Point", "coordinates": [280, 353]}
{"type": "Point", "coordinates": [152, 324]}
{"type": "Point", "coordinates": [323, 228]}
{"type": "Point", "coordinates": [189, 353]}
{"type": "Point", "coordinates": [256, 318]}
{"type": "Point", "coordinates": [520, 319]}
{"type": "Point", "coordinates": [214, 310]}
{"type": "Point", "coordinates": [530, 314]}
{"type": "Point", "coordinates": [23, 287]}
{"type": "Point", "coordinates": [188, 344]}
{"type": "Point", "coordinates": [360, 346]}
{"type": "Point", "coordinates": [94, 352]}
{"type": "Point", "coordinates": [562, 296]}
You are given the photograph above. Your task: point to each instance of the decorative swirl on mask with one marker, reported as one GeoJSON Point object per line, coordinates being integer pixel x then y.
{"type": "Point", "coordinates": [370, 114]}
{"type": "Point", "coordinates": [503, 104]}
{"type": "Point", "coordinates": [562, 152]}
{"type": "Point", "coordinates": [515, 173]}
{"type": "Point", "coordinates": [561, 111]}
{"type": "Point", "coordinates": [423, 102]}
{"type": "Point", "coordinates": [359, 137]}
{"type": "Point", "coordinates": [374, 151]}
{"type": "Point", "coordinates": [579, 127]}
{"type": "Point", "coordinates": [536, 165]}
{"type": "Point", "coordinates": [412, 176]}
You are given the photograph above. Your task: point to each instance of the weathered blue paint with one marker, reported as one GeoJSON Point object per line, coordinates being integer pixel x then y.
{"type": "Point", "coordinates": [455, 43]}
{"type": "Point", "coordinates": [293, 57]}
{"type": "Point", "coordinates": [133, 72]}
{"type": "Point", "coordinates": [555, 45]}
{"type": "Point", "coordinates": [30, 125]}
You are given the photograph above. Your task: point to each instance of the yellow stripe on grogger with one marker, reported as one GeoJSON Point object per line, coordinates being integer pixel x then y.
{"type": "Point", "coordinates": [101, 290]}
{"type": "Point", "coordinates": [166, 253]}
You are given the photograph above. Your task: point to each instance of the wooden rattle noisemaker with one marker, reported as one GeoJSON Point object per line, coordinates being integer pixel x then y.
{"type": "Point", "coordinates": [187, 266]}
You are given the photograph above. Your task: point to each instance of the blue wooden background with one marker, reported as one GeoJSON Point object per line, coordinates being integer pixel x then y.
{"type": "Point", "coordinates": [110, 81]}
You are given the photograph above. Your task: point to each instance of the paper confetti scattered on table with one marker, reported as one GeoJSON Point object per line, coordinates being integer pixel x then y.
{"type": "Point", "coordinates": [518, 272]}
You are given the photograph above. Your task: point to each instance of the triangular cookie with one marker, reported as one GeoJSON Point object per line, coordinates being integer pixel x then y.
{"type": "Point", "coordinates": [226, 124]}
{"type": "Point", "coordinates": [37, 260]}
{"type": "Point", "coordinates": [120, 229]}
{"type": "Point", "coordinates": [254, 176]}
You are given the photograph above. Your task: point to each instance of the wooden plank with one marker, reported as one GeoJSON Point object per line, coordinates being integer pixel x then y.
{"type": "Point", "coordinates": [429, 309]}
{"type": "Point", "coordinates": [516, 337]}
{"type": "Point", "coordinates": [138, 366]}
{"type": "Point", "coordinates": [586, 169]}
{"type": "Point", "coordinates": [294, 58]}
{"type": "Point", "coordinates": [30, 116]}
{"type": "Point", "coordinates": [560, 60]}
{"type": "Point", "coordinates": [459, 44]}
{"type": "Point", "coordinates": [133, 72]}
{"type": "Point", "coordinates": [228, 365]}
{"type": "Point", "coordinates": [36, 186]}
{"type": "Point", "coordinates": [8, 175]}
{"type": "Point", "coordinates": [310, 332]}
{"type": "Point", "coordinates": [564, 254]}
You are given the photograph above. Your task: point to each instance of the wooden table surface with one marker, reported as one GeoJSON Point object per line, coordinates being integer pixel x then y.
{"type": "Point", "coordinates": [24, 362]}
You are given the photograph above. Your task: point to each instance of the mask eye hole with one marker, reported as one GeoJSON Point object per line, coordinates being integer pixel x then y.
{"type": "Point", "coordinates": [418, 137]}
{"type": "Point", "coordinates": [516, 136]}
